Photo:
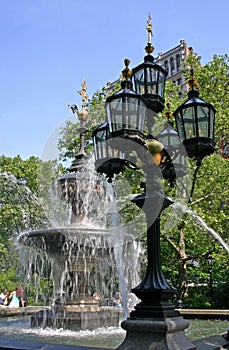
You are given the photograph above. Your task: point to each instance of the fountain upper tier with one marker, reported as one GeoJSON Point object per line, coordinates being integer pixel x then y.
{"type": "Point", "coordinates": [82, 235]}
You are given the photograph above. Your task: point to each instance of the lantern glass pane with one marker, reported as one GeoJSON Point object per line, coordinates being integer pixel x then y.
{"type": "Point", "coordinates": [189, 122]}
{"type": "Point", "coordinates": [141, 116]}
{"type": "Point", "coordinates": [180, 127]}
{"type": "Point", "coordinates": [128, 115]}
{"type": "Point", "coordinates": [103, 150]}
{"type": "Point", "coordinates": [100, 144]}
{"type": "Point", "coordinates": [168, 139]}
{"type": "Point", "coordinates": [151, 81]}
{"type": "Point", "coordinates": [202, 119]}
{"type": "Point", "coordinates": [114, 115]}
{"type": "Point", "coordinates": [161, 84]}
{"type": "Point", "coordinates": [134, 114]}
{"type": "Point", "coordinates": [211, 124]}
{"type": "Point", "coordinates": [115, 153]}
{"type": "Point", "coordinates": [139, 82]}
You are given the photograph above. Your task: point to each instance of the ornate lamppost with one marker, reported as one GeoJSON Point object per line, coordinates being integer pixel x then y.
{"type": "Point", "coordinates": [154, 323]}
{"type": "Point", "coordinates": [210, 261]}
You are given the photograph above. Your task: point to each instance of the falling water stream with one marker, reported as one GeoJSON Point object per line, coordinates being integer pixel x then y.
{"type": "Point", "coordinates": [117, 234]}
{"type": "Point", "coordinates": [198, 219]}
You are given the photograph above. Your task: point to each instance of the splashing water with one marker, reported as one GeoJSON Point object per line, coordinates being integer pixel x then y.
{"type": "Point", "coordinates": [15, 191]}
{"type": "Point", "coordinates": [83, 249]}
{"type": "Point", "coordinates": [117, 235]}
{"type": "Point", "coordinates": [185, 209]}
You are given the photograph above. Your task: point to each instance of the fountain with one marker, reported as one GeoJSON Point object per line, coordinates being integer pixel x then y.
{"type": "Point", "coordinates": [154, 323]}
{"type": "Point", "coordinates": [86, 237]}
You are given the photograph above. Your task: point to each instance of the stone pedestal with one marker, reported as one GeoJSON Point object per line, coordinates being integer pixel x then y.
{"type": "Point", "coordinates": [156, 334]}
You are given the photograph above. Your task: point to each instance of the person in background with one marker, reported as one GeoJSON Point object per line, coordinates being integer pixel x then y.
{"type": "Point", "coordinates": [16, 297]}
{"type": "Point", "coordinates": [117, 299]}
{"type": "Point", "coordinates": [4, 297]}
{"type": "Point", "coordinates": [22, 297]}
{"type": "Point", "coordinates": [97, 297]}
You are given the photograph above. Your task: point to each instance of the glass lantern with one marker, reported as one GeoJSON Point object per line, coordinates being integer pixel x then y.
{"type": "Point", "coordinates": [108, 160]}
{"type": "Point", "coordinates": [149, 81]}
{"type": "Point", "coordinates": [195, 125]}
{"type": "Point", "coordinates": [171, 141]}
{"type": "Point", "coordinates": [126, 115]}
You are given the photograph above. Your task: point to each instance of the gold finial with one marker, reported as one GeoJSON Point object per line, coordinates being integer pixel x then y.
{"type": "Point", "coordinates": [168, 113]}
{"type": "Point", "coordinates": [193, 83]}
{"type": "Point", "coordinates": [127, 73]}
{"type": "Point", "coordinates": [149, 48]}
{"type": "Point", "coordinates": [83, 93]}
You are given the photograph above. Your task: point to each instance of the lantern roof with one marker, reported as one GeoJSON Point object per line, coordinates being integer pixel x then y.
{"type": "Point", "coordinates": [126, 84]}
{"type": "Point", "coordinates": [193, 99]}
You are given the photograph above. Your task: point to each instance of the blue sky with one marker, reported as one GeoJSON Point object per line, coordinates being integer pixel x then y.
{"type": "Point", "coordinates": [49, 46]}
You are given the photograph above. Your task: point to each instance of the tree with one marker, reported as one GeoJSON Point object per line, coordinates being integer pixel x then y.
{"type": "Point", "coordinates": [23, 190]}
{"type": "Point", "coordinates": [187, 244]}
{"type": "Point", "coordinates": [190, 242]}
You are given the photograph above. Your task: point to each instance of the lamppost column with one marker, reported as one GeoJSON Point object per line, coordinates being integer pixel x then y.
{"type": "Point", "coordinates": [154, 291]}
{"type": "Point", "coordinates": [211, 288]}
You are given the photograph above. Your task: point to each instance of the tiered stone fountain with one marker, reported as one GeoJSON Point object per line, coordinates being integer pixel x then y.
{"type": "Point", "coordinates": [81, 253]}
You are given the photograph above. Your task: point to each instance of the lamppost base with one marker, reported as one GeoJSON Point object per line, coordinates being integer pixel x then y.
{"type": "Point", "coordinates": [156, 334]}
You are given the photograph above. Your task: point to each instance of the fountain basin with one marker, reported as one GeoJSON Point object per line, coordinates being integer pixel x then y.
{"type": "Point", "coordinates": [77, 255]}
{"type": "Point", "coordinates": [200, 332]}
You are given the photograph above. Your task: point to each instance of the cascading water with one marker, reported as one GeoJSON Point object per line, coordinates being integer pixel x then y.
{"type": "Point", "coordinates": [185, 209]}
{"type": "Point", "coordinates": [86, 238]}
{"type": "Point", "coordinates": [117, 234]}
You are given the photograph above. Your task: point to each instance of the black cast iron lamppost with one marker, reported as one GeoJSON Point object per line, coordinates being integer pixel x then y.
{"type": "Point", "coordinates": [154, 324]}
{"type": "Point", "coordinates": [210, 261]}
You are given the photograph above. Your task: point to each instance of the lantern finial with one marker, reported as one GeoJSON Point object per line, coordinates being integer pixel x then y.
{"type": "Point", "coordinates": [193, 83]}
{"type": "Point", "coordinates": [149, 48]}
{"type": "Point", "coordinates": [168, 113]}
{"type": "Point", "coordinates": [127, 73]}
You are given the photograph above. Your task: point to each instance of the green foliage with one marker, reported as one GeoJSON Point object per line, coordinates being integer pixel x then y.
{"type": "Point", "coordinates": [23, 190]}
{"type": "Point", "coordinates": [187, 244]}
{"type": "Point", "coordinates": [39, 291]}
{"type": "Point", "coordinates": [184, 246]}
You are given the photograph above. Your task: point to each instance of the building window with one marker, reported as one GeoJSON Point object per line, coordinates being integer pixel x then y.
{"type": "Point", "coordinates": [167, 67]}
{"type": "Point", "coordinates": [172, 65]}
{"type": "Point", "coordinates": [179, 81]}
{"type": "Point", "coordinates": [178, 63]}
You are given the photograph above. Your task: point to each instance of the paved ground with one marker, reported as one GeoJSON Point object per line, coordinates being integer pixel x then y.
{"type": "Point", "coordinates": [20, 345]}
{"type": "Point", "coordinates": [215, 342]}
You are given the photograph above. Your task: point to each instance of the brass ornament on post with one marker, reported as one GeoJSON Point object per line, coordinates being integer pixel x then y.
{"type": "Point", "coordinates": [149, 48]}
{"type": "Point", "coordinates": [83, 114]}
{"type": "Point", "coordinates": [126, 72]}
{"type": "Point", "coordinates": [193, 83]}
